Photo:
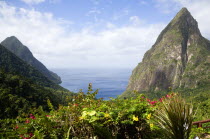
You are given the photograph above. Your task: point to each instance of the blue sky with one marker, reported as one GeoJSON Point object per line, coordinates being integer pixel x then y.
{"type": "Point", "coordinates": [83, 12]}
{"type": "Point", "coordinates": [93, 33]}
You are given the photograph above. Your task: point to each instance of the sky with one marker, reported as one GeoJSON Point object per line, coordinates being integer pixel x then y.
{"type": "Point", "coordinates": [93, 33]}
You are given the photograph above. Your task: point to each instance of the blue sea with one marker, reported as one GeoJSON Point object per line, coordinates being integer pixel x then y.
{"type": "Point", "coordinates": [110, 82]}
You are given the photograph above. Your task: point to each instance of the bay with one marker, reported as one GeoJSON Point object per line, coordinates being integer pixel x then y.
{"type": "Point", "coordinates": [110, 82]}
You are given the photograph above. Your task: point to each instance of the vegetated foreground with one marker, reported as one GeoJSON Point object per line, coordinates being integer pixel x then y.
{"type": "Point", "coordinates": [86, 117]}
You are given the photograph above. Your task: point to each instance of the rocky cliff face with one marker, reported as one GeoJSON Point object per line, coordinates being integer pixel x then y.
{"type": "Point", "coordinates": [180, 58]}
{"type": "Point", "coordinates": [16, 47]}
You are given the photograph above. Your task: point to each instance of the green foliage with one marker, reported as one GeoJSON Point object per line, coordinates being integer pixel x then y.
{"type": "Point", "coordinates": [200, 97]}
{"type": "Point", "coordinates": [84, 116]}
{"type": "Point", "coordinates": [196, 132]}
{"type": "Point", "coordinates": [175, 117]}
{"type": "Point", "coordinates": [87, 117]}
{"type": "Point", "coordinates": [19, 95]}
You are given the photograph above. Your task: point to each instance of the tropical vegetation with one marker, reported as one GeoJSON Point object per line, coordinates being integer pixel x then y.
{"type": "Point", "coordinates": [87, 117]}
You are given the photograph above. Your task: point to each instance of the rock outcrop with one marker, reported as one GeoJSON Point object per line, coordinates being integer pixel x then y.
{"type": "Point", "coordinates": [180, 58]}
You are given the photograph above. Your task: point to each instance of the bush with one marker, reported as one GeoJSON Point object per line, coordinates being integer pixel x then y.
{"type": "Point", "coordinates": [87, 117]}
{"type": "Point", "coordinates": [175, 117]}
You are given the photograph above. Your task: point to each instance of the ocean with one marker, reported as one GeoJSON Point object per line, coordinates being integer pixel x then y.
{"type": "Point", "coordinates": [110, 82]}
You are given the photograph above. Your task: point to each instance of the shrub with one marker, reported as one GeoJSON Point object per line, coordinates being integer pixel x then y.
{"type": "Point", "coordinates": [175, 117]}
{"type": "Point", "coordinates": [87, 117]}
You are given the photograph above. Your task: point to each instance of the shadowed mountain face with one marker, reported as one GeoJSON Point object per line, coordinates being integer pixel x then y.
{"type": "Point", "coordinates": [16, 47]}
{"type": "Point", "coordinates": [180, 58]}
{"type": "Point", "coordinates": [22, 87]}
{"type": "Point", "coordinates": [10, 63]}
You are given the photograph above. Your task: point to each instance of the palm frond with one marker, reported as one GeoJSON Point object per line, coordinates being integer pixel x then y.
{"type": "Point", "coordinates": [175, 117]}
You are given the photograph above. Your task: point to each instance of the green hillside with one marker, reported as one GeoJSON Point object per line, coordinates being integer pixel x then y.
{"type": "Point", "coordinates": [22, 87]}
{"type": "Point", "coordinates": [13, 64]}
{"type": "Point", "coordinates": [18, 95]}
{"type": "Point", "coordinates": [17, 48]}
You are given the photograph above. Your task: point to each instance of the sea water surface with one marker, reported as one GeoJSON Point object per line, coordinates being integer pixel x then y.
{"type": "Point", "coordinates": [110, 82]}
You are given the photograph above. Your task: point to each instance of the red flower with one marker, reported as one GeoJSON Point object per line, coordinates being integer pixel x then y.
{"type": "Point", "coordinates": [161, 99]}
{"type": "Point", "coordinates": [148, 100]}
{"type": "Point", "coordinates": [31, 134]}
{"type": "Point", "coordinates": [153, 102]}
{"type": "Point", "coordinates": [16, 127]}
{"type": "Point", "coordinates": [27, 121]}
{"type": "Point", "coordinates": [75, 104]}
{"type": "Point", "coordinates": [32, 116]}
{"type": "Point", "coordinates": [168, 96]}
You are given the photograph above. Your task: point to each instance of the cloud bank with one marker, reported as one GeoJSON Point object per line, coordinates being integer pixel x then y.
{"type": "Point", "coordinates": [58, 47]}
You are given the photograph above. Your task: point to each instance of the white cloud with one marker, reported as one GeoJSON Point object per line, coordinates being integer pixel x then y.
{"type": "Point", "coordinates": [33, 1]}
{"type": "Point", "coordinates": [199, 9]}
{"type": "Point", "coordinates": [110, 25]}
{"type": "Point", "coordinates": [135, 20]}
{"type": "Point", "coordinates": [57, 47]}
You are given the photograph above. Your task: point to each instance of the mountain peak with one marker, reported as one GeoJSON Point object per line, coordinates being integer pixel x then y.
{"type": "Point", "coordinates": [176, 60]}
{"type": "Point", "coordinates": [183, 22]}
{"type": "Point", "coordinates": [184, 16]}
{"type": "Point", "coordinates": [184, 10]}
{"type": "Point", "coordinates": [183, 13]}
{"type": "Point", "coordinates": [22, 51]}
{"type": "Point", "coordinates": [13, 39]}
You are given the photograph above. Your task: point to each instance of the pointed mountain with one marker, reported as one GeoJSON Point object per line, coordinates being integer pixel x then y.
{"type": "Point", "coordinates": [22, 87]}
{"type": "Point", "coordinates": [180, 58]}
{"type": "Point", "coordinates": [10, 63]}
{"type": "Point", "coordinates": [16, 47]}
